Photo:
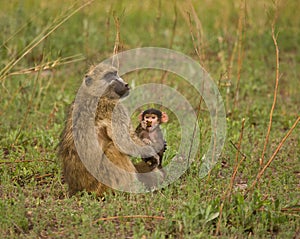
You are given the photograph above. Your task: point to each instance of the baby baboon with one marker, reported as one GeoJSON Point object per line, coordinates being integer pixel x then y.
{"type": "Point", "coordinates": [149, 132]}
{"type": "Point", "coordinates": [105, 79]}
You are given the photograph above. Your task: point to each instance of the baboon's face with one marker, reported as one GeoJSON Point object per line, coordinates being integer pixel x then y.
{"type": "Point", "coordinates": [104, 80]}
{"type": "Point", "coordinates": [117, 86]}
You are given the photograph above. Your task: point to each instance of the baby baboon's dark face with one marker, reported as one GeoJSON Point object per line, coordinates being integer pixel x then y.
{"type": "Point", "coordinates": [117, 84]}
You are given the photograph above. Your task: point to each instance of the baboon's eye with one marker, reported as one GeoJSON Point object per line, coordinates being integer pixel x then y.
{"type": "Point", "coordinates": [88, 80]}
{"type": "Point", "coordinates": [110, 76]}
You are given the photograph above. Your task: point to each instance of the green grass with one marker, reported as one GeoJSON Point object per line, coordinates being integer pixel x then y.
{"type": "Point", "coordinates": [33, 196]}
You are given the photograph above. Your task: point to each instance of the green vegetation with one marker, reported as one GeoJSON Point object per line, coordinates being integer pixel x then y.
{"type": "Point", "coordinates": [42, 60]}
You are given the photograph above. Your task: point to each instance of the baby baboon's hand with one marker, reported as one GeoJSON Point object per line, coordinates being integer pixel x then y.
{"type": "Point", "coordinates": [147, 141]}
{"type": "Point", "coordinates": [144, 124]}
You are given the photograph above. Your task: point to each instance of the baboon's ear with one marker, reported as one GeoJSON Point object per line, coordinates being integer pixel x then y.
{"type": "Point", "coordinates": [88, 80]}
{"type": "Point", "coordinates": [164, 117]}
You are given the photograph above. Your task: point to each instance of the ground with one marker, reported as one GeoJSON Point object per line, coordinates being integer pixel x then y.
{"type": "Point", "coordinates": [47, 46]}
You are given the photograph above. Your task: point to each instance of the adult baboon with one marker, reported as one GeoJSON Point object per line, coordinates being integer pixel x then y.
{"type": "Point", "coordinates": [82, 124]}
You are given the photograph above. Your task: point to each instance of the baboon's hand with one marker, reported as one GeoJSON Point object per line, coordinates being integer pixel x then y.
{"type": "Point", "coordinates": [147, 141]}
{"type": "Point", "coordinates": [157, 158]}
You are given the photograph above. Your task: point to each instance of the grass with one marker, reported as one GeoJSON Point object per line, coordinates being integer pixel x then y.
{"type": "Point", "coordinates": [47, 46]}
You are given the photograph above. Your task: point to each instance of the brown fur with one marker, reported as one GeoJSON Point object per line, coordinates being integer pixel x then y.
{"type": "Point", "coordinates": [75, 173]}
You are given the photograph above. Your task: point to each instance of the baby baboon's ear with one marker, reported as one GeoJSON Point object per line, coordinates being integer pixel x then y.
{"type": "Point", "coordinates": [164, 117]}
{"type": "Point", "coordinates": [88, 80]}
{"type": "Point", "coordinates": [140, 117]}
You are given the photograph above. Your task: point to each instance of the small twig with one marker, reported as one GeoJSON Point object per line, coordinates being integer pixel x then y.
{"type": "Point", "coordinates": [39, 177]}
{"type": "Point", "coordinates": [291, 209]}
{"type": "Point", "coordinates": [275, 92]}
{"type": "Point", "coordinates": [23, 161]}
{"type": "Point", "coordinates": [129, 216]}
{"type": "Point", "coordinates": [241, 153]}
{"type": "Point", "coordinates": [227, 193]}
{"type": "Point", "coordinates": [261, 172]}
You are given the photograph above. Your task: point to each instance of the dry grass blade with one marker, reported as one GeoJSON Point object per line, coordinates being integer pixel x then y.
{"type": "Point", "coordinates": [174, 27]}
{"type": "Point", "coordinates": [117, 43]}
{"type": "Point", "coordinates": [4, 44]}
{"type": "Point", "coordinates": [196, 32]}
{"type": "Point", "coordinates": [38, 69]}
{"type": "Point", "coordinates": [240, 50]}
{"type": "Point", "coordinates": [199, 47]}
{"type": "Point", "coordinates": [275, 93]}
{"type": "Point", "coordinates": [41, 37]}
{"type": "Point", "coordinates": [261, 172]}
{"type": "Point", "coordinates": [200, 35]}
{"type": "Point", "coordinates": [49, 65]}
